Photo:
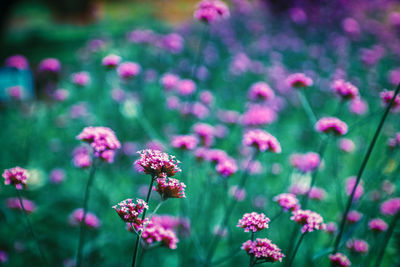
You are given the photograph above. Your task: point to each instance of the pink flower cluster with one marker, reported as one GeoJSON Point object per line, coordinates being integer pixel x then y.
{"type": "Point", "coordinates": [261, 91]}
{"type": "Point", "coordinates": [377, 225]}
{"type": "Point", "coordinates": [317, 193]}
{"type": "Point", "coordinates": [386, 97]}
{"type": "Point", "coordinates": [57, 175]}
{"type": "Point", "coordinates": [179, 224]}
{"type": "Point", "coordinates": [17, 61]}
{"type": "Point", "coordinates": [258, 115]}
{"type": "Point", "coordinates": [331, 125]}
{"type": "Point", "coordinates": [307, 162]}
{"type": "Point", "coordinates": [345, 90]}
{"type": "Point", "coordinates": [346, 145]}
{"type": "Point", "coordinates": [91, 219]}
{"type": "Point", "coordinates": [263, 249]}
{"type": "Point", "coordinates": [262, 141]}
{"type": "Point", "coordinates": [209, 11]}
{"type": "Point", "coordinates": [170, 188]}
{"type": "Point", "coordinates": [358, 246]}
{"type": "Point", "coordinates": [51, 65]}
{"type": "Point", "coordinates": [227, 167]}
{"type": "Point", "coordinates": [111, 61]}
{"type": "Point", "coordinates": [186, 87]}
{"type": "Point", "coordinates": [102, 140]}
{"type": "Point", "coordinates": [287, 201]}
{"type": "Point", "coordinates": [16, 176]}
{"type": "Point", "coordinates": [169, 81]}
{"type": "Point", "coordinates": [354, 216]}
{"type": "Point", "coordinates": [299, 80]}
{"type": "Point", "coordinates": [154, 232]}
{"type": "Point", "coordinates": [391, 207]}
{"type": "Point", "coordinates": [81, 157]}
{"type": "Point", "coordinates": [310, 220]}
{"type": "Point", "coordinates": [157, 163]}
{"type": "Point", "coordinates": [129, 212]}
{"type": "Point", "coordinates": [14, 203]}
{"type": "Point", "coordinates": [81, 78]}
{"type": "Point", "coordinates": [205, 132]}
{"type": "Point", "coordinates": [395, 141]}
{"type": "Point", "coordinates": [339, 260]}
{"type": "Point", "coordinates": [350, 183]}
{"type": "Point", "coordinates": [128, 70]}
{"type": "Point", "coordinates": [185, 142]}
{"type": "Point", "coordinates": [253, 222]}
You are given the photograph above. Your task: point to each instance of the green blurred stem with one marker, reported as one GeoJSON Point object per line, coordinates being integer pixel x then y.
{"type": "Point", "coordinates": [85, 205]}
{"type": "Point", "coordinates": [388, 235]}
{"type": "Point", "coordinates": [296, 249]}
{"type": "Point", "coordinates": [203, 42]}
{"type": "Point", "coordinates": [361, 171]}
{"type": "Point", "coordinates": [30, 227]}
{"type": "Point", "coordinates": [307, 108]}
{"type": "Point", "coordinates": [135, 254]}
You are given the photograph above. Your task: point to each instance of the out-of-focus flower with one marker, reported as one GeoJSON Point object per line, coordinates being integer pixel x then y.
{"type": "Point", "coordinates": [317, 193]}
{"type": "Point", "coordinates": [287, 201]}
{"type": "Point", "coordinates": [339, 260]}
{"type": "Point", "coordinates": [346, 145]}
{"type": "Point", "coordinates": [81, 79]}
{"type": "Point", "coordinates": [237, 193]}
{"type": "Point", "coordinates": [331, 227]}
{"type": "Point", "coordinates": [185, 142]}
{"type": "Point", "coordinates": [388, 187]}
{"type": "Point", "coordinates": [263, 249]}
{"type": "Point", "coordinates": [205, 132]}
{"type": "Point", "coordinates": [331, 125]}
{"type": "Point", "coordinates": [228, 116]}
{"type": "Point", "coordinates": [345, 90]}
{"type": "Point", "coordinates": [209, 11]}
{"type": "Point", "coordinates": [354, 216]}
{"type": "Point", "coordinates": [16, 92]}
{"type": "Point", "coordinates": [186, 87]}
{"type": "Point", "coordinates": [81, 157]}
{"type": "Point", "coordinates": [17, 61]}
{"type": "Point", "coordinates": [172, 42]}
{"type": "Point", "coordinates": [262, 141]}
{"type": "Point", "coordinates": [309, 220]}
{"type": "Point", "coordinates": [206, 97]}
{"type": "Point", "coordinates": [395, 141]}
{"type": "Point", "coordinates": [261, 91]}
{"type": "Point", "coordinates": [169, 81]}
{"type": "Point", "coordinates": [3, 256]}
{"type": "Point", "coordinates": [390, 207]}
{"type": "Point", "coordinates": [128, 70]}
{"type": "Point", "coordinates": [130, 210]}
{"type": "Point", "coordinates": [61, 95]}
{"type": "Point", "coordinates": [51, 65]}
{"type": "Point", "coordinates": [154, 232]}
{"type": "Point", "coordinates": [358, 106]}
{"type": "Point", "coordinates": [170, 188]}
{"type": "Point", "coordinates": [307, 162]}
{"type": "Point", "coordinates": [299, 80]}
{"type": "Point", "coordinates": [91, 219]}
{"type": "Point", "coordinates": [16, 176]}
{"type": "Point", "coordinates": [157, 163]}
{"type": "Point", "coordinates": [15, 204]}
{"type": "Point", "coordinates": [111, 61]}
{"type": "Point", "coordinates": [386, 97]}
{"type": "Point", "coordinates": [358, 245]}
{"type": "Point", "coordinates": [350, 183]}
{"type": "Point", "coordinates": [253, 222]}
{"type": "Point", "coordinates": [57, 175]}
{"type": "Point", "coordinates": [351, 27]}
{"type": "Point", "coordinates": [258, 115]}
{"type": "Point", "coordinates": [226, 167]}
{"type": "Point", "coordinates": [377, 225]}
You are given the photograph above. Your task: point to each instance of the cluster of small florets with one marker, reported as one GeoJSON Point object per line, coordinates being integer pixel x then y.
{"type": "Point", "coordinates": [81, 157]}
{"type": "Point", "coordinates": [170, 188]}
{"type": "Point", "coordinates": [157, 163]}
{"type": "Point", "coordinates": [227, 167]}
{"type": "Point", "coordinates": [287, 201]}
{"type": "Point", "coordinates": [91, 219]}
{"type": "Point", "coordinates": [205, 132]}
{"type": "Point", "coordinates": [178, 224]}
{"type": "Point", "coordinates": [154, 232]}
{"type": "Point", "coordinates": [307, 162]}
{"type": "Point", "coordinates": [339, 260]}
{"type": "Point", "coordinates": [102, 140]}
{"type": "Point", "coordinates": [16, 176]}
{"type": "Point", "coordinates": [377, 225]}
{"type": "Point", "coordinates": [387, 96]}
{"type": "Point", "coordinates": [345, 90]}
{"type": "Point", "coordinates": [253, 222]}
{"type": "Point", "coordinates": [391, 207]}
{"type": "Point", "coordinates": [129, 211]}
{"type": "Point", "coordinates": [258, 115]}
{"type": "Point", "coordinates": [185, 142]}
{"type": "Point", "coordinates": [331, 125]}
{"type": "Point", "coordinates": [310, 220]}
{"type": "Point", "coordinates": [262, 141]}
{"type": "Point", "coordinates": [261, 91]}
{"type": "Point", "coordinates": [354, 216]}
{"type": "Point", "coordinates": [358, 246]}
{"type": "Point", "coordinates": [263, 249]}
{"type": "Point", "coordinates": [128, 70]}
{"type": "Point", "coordinates": [299, 80]}
{"type": "Point", "coordinates": [209, 11]}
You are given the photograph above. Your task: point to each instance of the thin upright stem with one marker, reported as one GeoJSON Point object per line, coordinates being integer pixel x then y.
{"type": "Point", "coordinates": [295, 250]}
{"type": "Point", "coordinates": [388, 235]}
{"type": "Point", "coordinates": [203, 42]}
{"type": "Point", "coordinates": [307, 108]}
{"type": "Point", "coordinates": [30, 227]}
{"type": "Point", "coordinates": [361, 171]}
{"type": "Point", "coordinates": [83, 221]}
{"type": "Point", "coordinates": [135, 254]}
{"type": "Point", "coordinates": [252, 256]}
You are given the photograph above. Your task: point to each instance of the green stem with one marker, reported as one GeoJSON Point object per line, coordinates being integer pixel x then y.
{"type": "Point", "coordinates": [252, 255]}
{"type": "Point", "coordinates": [361, 171]}
{"type": "Point", "coordinates": [307, 108]}
{"type": "Point", "coordinates": [85, 205]}
{"type": "Point", "coordinates": [31, 228]}
{"type": "Point", "coordinates": [295, 250]}
{"type": "Point", "coordinates": [203, 42]}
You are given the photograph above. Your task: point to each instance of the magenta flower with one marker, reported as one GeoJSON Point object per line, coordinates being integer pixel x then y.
{"type": "Point", "coordinates": [287, 201]}
{"type": "Point", "coordinates": [16, 176]}
{"type": "Point", "coordinates": [386, 97]}
{"type": "Point", "coordinates": [81, 157]}
{"type": "Point", "coordinates": [307, 162]}
{"type": "Point", "coordinates": [299, 80]}
{"type": "Point", "coordinates": [16, 92]}
{"type": "Point", "coordinates": [206, 97]}
{"type": "Point", "coordinates": [345, 90]}
{"type": "Point", "coordinates": [346, 145]}
{"type": "Point", "coordinates": [331, 125]}
{"type": "Point", "coordinates": [170, 188]}
{"type": "Point", "coordinates": [157, 163]}
{"type": "Point", "coordinates": [395, 141]}
{"type": "Point", "coordinates": [128, 70]}
{"type": "Point", "coordinates": [258, 115]}
{"type": "Point", "coordinates": [102, 140]}
{"type": "Point", "coordinates": [17, 61]}
{"type": "Point", "coordinates": [169, 81]}
{"type": "Point", "coordinates": [61, 95]}
{"type": "Point", "coordinates": [339, 260]}
{"type": "Point", "coordinates": [57, 175]}
{"type": "Point", "coordinates": [111, 61]}
{"type": "Point", "coordinates": [317, 193]}
{"type": "Point", "coordinates": [358, 106]}
{"type": "Point", "coordinates": [15, 204]}
{"type": "Point", "coordinates": [237, 193]}
{"type": "Point", "coordinates": [228, 116]}
{"type": "Point", "coordinates": [80, 78]}
{"type": "Point", "coordinates": [263, 249]}
{"type": "Point", "coordinates": [186, 87]}
{"type": "Point", "coordinates": [179, 224]}
{"type": "Point", "coordinates": [253, 222]}
{"type": "Point", "coordinates": [331, 227]}
{"type": "Point", "coordinates": [262, 141]}
{"type": "Point", "coordinates": [172, 42]}
{"type": "Point", "coordinates": [205, 132]}
{"type": "Point", "coordinates": [91, 219]}
{"type": "Point", "coordinates": [358, 246]}
{"type": "Point", "coordinates": [154, 233]}
{"type": "Point", "coordinates": [390, 207]}
{"type": "Point", "coordinates": [227, 167]}
{"type": "Point", "coordinates": [129, 211]}
{"type": "Point", "coordinates": [51, 65]}
{"type": "Point", "coordinates": [209, 11]}
{"type": "Point", "coordinates": [377, 225]}
{"type": "Point", "coordinates": [350, 183]}
{"type": "Point", "coordinates": [261, 91]}
{"type": "Point", "coordinates": [354, 216]}
{"type": "Point", "coordinates": [309, 220]}
{"type": "Point", "coordinates": [185, 142]}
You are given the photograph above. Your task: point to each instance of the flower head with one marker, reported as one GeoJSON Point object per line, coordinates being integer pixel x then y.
{"type": "Point", "coordinates": [15, 204]}
{"type": "Point", "coordinates": [377, 225]}
{"type": "Point", "coordinates": [227, 167]}
{"type": "Point", "coordinates": [345, 90]}
{"type": "Point", "coordinates": [186, 87]}
{"type": "Point", "coordinates": [81, 157]}
{"type": "Point", "coordinates": [261, 91]}
{"type": "Point", "coordinates": [154, 232]}
{"type": "Point", "coordinates": [261, 140]}
{"type": "Point", "coordinates": [111, 61]}
{"type": "Point", "coordinates": [129, 211]}
{"type": "Point", "coordinates": [390, 207]}
{"type": "Point", "coordinates": [52, 65]}
{"type": "Point", "coordinates": [339, 260]}
{"type": "Point", "coordinates": [81, 78]}
{"type": "Point", "coordinates": [128, 70]}
{"type": "Point", "coordinates": [350, 183]}
{"type": "Point", "coordinates": [170, 188]}
{"type": "Point", "coordinates": [253, 222]}
{"type": "Point", "coordinates": [331, 125]}
{"type": "Point", "coordinates": [258, 115]}
{"type": "Point", "coordinates": [299, 80]}
{"type": "Point", "coordinates": [354, 216]}
{"type": "Point", "coordinates": [307, 162]}
{"type": "Point", "coordinates": [17, 61]}
{"type": "Point", "coordinates": [91, 219]}
{"type": "Point", "coordinates": [205, 133]}
{"type": "Point", "coordinates": [157, 163]}
{"type": "Point", "coordinates": [263, 248]}
{"type": "Point", "coordinates": [358, 245]}
{"type": "Point", "coordinates": [16, 176]}
{"type": "Point", "coordinates": [169, 81]}
{"type": "Point", "coordinates": [287, 201]}
{"type": "Point", "coordinates": [346, 145]}
{"type": "Point", "coordinates": [387, 96]}
{"type": "Point", "coordinates": [310, 220]}
{"type": "Point", "coordinates": [185, 142]}
{"type": "Point", "coordinates": [209, 11]}
{"type": "Point", "coordinates": [57, 175]}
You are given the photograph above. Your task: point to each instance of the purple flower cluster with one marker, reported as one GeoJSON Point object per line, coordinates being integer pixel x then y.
{"type": "Point", "coordinates": [253, 222]}
{"type": "Point", "coordinates": [157, 163]}
{"type": "Point", "coordinates": [16, 176]}
{"type": "Point", "coordinates": [264, 249]}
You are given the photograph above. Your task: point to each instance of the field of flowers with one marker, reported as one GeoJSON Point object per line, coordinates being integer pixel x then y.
{"type": "Point", "coordinates": [254, 134]}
